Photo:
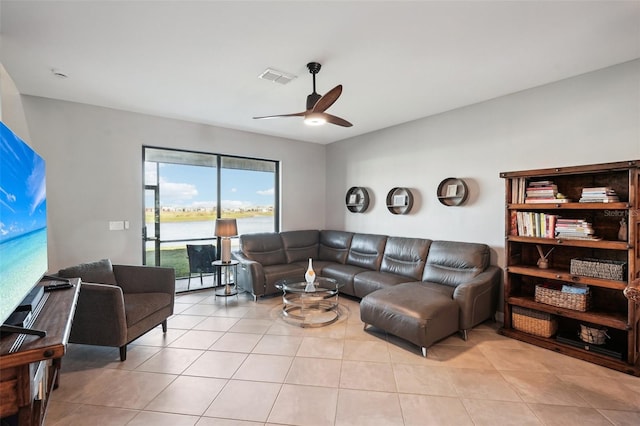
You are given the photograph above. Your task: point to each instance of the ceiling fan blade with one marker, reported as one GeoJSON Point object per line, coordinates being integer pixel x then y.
{"type": "Point", "coordinates": [337, 120]}
{"type": "Point", "coordinates": [297, 114]}
{"type": "Point", "coordinates": [328, 99]}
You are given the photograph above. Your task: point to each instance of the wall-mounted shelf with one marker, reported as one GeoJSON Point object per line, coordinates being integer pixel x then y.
{"type": "Point", "coordinates": [452, 192]}
{"type": "Point", "coordinates": [357, 199]}
{"type": "Point", "coordinates": [399, 200]}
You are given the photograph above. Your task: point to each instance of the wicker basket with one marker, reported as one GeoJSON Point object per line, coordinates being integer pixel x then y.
{"type": "Point", "coordinates": [549, 296]}
{"type": "Point", "coordinates": [593, 335]}
{"type": "Point", "coordinates": [533, 322]}
{"type": "Point", "coordinates": [599, 268]}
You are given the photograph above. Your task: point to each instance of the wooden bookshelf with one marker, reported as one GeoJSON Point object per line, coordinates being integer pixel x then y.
{"type": "Point", "coordinates": [609, 308]}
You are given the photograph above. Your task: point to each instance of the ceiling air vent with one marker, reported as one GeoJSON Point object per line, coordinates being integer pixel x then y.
{"type": "Point", "coordinates": [277, 76]}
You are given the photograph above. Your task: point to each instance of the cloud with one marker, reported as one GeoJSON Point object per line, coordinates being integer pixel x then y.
{"type": "Point", "coordinates": [235, 204]}
{"type": "Point", "coordinates": [269, 191]}
{"type": "Point", "coordinates": [173, 192]}
{"type": "Point", "coordinates": [36, 185]}
{"type": "Point", "coordinates": [10, 197]}
{"type": "Point", "coordinates": [150, 174]}
{"type": "Point", "coordinates": [234, 189]}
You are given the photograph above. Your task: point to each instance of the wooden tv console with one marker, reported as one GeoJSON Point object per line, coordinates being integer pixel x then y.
{"type": "Point", "coordinates": [30, 365]}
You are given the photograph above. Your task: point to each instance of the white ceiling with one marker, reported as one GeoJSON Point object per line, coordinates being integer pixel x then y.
{"type": "Point", "coordinates": [398, 61]}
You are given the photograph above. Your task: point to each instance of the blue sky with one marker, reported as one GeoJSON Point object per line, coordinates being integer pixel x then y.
{"type": "Point", "coordinates": [195, 186]}
{"type": "Point", "coordinates": [23, 196]}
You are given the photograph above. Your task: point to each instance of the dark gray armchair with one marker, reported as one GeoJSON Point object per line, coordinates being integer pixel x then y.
{"type": "Point", "coordinates": [119, 303]}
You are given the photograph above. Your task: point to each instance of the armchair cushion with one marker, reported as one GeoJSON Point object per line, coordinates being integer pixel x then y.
{"type": "Point", "coordinates": [100, 272]}
{"type": "Point", "coordinates": [139, 306]}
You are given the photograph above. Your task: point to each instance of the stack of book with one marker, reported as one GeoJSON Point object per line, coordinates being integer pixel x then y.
{"type": "Point", "coordinates": [542, 191]}
{"type": "Point", "coordinates": [575, 229]}
{"type": "Point", "coordinates": [600, 194]}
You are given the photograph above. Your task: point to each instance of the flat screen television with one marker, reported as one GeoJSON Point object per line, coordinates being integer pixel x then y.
{"type": "Point", "coordinates": [23, 220]}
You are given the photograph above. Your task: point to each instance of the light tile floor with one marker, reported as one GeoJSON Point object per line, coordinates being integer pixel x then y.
{"type": "Point", "coordinates": [240, 364]}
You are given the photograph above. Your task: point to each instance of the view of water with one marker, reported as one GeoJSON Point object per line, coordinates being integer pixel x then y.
{"type": "Point", "coordinates": [23, 260]}
{"type": "Point", "coordinates": [203, 229]}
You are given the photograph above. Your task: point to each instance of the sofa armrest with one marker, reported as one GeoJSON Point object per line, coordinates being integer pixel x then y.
{"type": "Point", "coordinates": [145, 279]}
{"type": "Point", "coordinates": [250, 274]}
{"type": "Point", "coordinates": [100, 316]}
{"type": "Point", "coordinates": [478, 298]}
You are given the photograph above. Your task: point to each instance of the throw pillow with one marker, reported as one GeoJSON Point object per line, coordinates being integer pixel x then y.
{"type": "Point", "coordinates": [100, 272]}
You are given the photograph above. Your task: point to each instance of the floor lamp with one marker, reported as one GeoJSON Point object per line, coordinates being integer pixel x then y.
{"type": "Point", "coordinates": [225, 229]}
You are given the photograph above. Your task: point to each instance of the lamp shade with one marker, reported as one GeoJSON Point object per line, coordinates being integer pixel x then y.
{"type": "Point", "coordinates": [226, 228]}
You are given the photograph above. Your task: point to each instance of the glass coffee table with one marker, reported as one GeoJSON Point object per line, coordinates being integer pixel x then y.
{"type": "Point", "coordinates": [310, 307]}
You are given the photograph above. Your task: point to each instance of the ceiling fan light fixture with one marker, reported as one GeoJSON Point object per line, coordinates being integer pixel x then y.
{"type": "Point", "coordinates": [315, 119]}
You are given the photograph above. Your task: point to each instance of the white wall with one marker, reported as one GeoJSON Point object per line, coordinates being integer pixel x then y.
{"type": "Point", "coordinates": [593, 118]}
{"type": "Point", "coordinates": [94, 174]}
{"type": "Point", "coordinates": [11, 111]}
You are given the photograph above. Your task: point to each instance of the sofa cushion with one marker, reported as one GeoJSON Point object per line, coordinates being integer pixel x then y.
{"type": "Point", "coordinates": [452, 263]}
{"type": "Point", "coordinates": [411, 311]}
{"type": "Point", "coordinates": [334, 246]}
{"type": "Point", "coordinates": [369, 281]}
{"type": "Point", "coordinates": [100, 272]}
{"type": "Point", "coordinates": [366, 251]}
{"type": "Point", "coordinates": [344, 274]}
{"type": "Point", "coordinates": [405, 256]}
{"type": "Point", "coordinates": [263, 247]}
{"type": "Point", "coordinates": [300, 245]}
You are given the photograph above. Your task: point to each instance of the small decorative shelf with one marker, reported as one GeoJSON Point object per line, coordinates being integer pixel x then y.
{"type": "Point", "coordinates": [452, 192]}
{"type": "Point", "coordinates": [399, 200]}
{"type": "Point", "coordinates": [357, 199]}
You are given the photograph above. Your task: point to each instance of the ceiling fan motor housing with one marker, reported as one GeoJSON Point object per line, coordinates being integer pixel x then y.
{"type": "Point", "coordinates": [314, 68]}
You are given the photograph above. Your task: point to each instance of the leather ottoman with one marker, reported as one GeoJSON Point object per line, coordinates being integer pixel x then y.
{"type": "Point", "coordinates": [412, 311]}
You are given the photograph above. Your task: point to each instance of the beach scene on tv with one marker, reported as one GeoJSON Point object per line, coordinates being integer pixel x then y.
{"type": "Point", "coordinates": [23, 220]}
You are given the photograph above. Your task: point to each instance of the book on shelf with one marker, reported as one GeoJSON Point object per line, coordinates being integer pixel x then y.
{"type": "Point", "coordinates": [548, 200]}
{"type": "Point", "coordinates": [600, 194]}
{"type": "Point", "coordinates": [534, 224]}
{"type": "Point", "coordinates": [598, 189]}
{"type": "Point", "coordinates": [575, 289]}
{"type": "Point", "coordinates": [604, 199]}
{"type": "Point", "coordinates": [543, 192]}
{"type": "Point", "coordinates": [518, 186]}
{"type": "Point", "coordinates": [575, 229]}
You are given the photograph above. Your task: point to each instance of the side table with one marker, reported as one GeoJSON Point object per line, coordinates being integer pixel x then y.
{"type": "Point", "coordinates": [226, 279]}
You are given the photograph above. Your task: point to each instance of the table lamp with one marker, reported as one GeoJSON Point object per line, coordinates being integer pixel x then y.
{"type": "Point", "coordinates": [225, 229]}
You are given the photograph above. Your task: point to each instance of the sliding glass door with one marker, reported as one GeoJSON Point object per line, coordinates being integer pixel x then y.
{"type": "Point", "coordinates": [184, 194]}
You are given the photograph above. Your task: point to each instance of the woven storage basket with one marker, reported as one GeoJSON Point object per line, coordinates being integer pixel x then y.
{"type": "Point", "coordinates": [599, 268]}
{"type": "Point", "coordinates": [549, 296]}
{"type": "Point", "coordinates": [593, 335]}
{"type": "Point", "coordinates": [533, 322]}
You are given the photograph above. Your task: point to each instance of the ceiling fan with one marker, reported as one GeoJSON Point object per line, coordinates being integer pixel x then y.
{"type": "Point", "coordinates": [317, 105]}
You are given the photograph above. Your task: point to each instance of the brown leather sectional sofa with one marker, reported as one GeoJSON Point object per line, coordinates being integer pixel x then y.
{"type": "Point", "coordinates": [418, 289]}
